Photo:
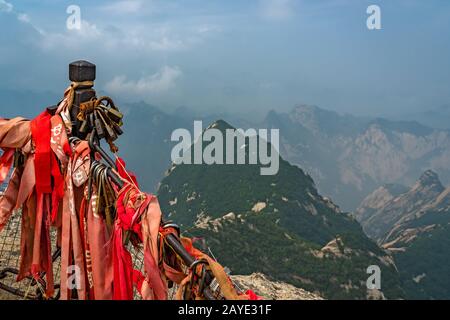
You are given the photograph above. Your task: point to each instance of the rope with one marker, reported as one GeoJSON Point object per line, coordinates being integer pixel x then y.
{"type": "Point", "coordinates": [69, 95]}
{"type": "Point", "coordinates": [70, 91]}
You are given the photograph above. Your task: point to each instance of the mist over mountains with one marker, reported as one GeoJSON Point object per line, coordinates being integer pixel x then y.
{"type": "Point", "coordinates": [347, 156]}
{"type": "Point", "coordinates": [438, 117]}
{"type": "Point", "coordinates": [27, 104]}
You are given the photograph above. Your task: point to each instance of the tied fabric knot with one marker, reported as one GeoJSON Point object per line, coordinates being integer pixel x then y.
{"type": "Point", "coordinates": [129, 208]}
{"type": "Point", "coordinates": [126, 212]}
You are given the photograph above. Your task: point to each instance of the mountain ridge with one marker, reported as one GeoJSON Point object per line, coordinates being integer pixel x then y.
{"type": "Point", "coordinates": [349, 157]}
{"type": "Point", "coordinates": [277, 225]}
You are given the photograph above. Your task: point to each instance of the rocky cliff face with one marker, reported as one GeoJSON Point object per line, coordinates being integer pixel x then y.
{"type": "Point", "coordinates": [273, 290]}
{"type": "Point", "coordinates": [348, 157]}
{"type": "Point", "coordinates": [377, 200]}
{"type": "Point", "coordinates": [415, 227]}
{"type": "Point", "coordinates": [384, 211]}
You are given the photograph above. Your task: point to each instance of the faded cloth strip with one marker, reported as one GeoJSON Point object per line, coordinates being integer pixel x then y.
{"type": "Point", "coordinates": [27, 237]}
{"type": "Point", "coordinates": [99, 252]}
{"type": "Point", "coordinates": [59, 144]}
{"type": "Point", "coordinates": [127, 205]}
{"type": "Point", "coordinates": [139, 213]}
{"type": "Point", "coordinates": [9, 198]}
{"type": "Point", "coordinates": [72, 242]}
{"type": "Point", "coordinates": [151, 221]}
{"type": "Point", "coordinates": [42, 257]}
{"type": "Point", "coordinates": [14, 133]}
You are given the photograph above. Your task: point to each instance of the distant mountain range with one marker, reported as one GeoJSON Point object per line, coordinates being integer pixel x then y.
{"type": "Point", "coordinates": [347, 156]}
{"type": "Point", "coordinates": [277, 225]}
{"type": "Point", "coordinates": [414, 224]}
{"type": "Point", "coordinates": [434, 117]}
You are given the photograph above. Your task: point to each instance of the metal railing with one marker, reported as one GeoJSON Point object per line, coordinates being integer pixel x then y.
{"type": "Point", "coordinates": [28, 288]}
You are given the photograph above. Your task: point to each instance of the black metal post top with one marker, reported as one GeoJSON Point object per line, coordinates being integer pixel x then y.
{"type": "Point", "coordinates": [82, 70]}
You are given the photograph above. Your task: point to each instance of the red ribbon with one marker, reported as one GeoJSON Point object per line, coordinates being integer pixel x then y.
{"type": "Point", "coordinates": [122, 261]}
{"type": "Point", "coordinates": [123, 268]}
{"type": "Point", "coordinates": [41, 134]}
{"type": "Point", "coordinates": [45, 162]}
{"type": "Point", "coordinates": [252, 296]}
{"type": "Point", "coordinates": [58, 191]}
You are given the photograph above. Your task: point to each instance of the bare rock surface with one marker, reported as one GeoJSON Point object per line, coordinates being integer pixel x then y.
{"type": "Point", "coordinates": [273, 290]}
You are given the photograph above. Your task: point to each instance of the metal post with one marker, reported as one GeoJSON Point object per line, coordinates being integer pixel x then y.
{"type": "Point", "coordinates": [81, 71]}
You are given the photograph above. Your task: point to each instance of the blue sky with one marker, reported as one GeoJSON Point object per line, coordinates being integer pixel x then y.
{"type": "Point", "coordinates": [238, 56]}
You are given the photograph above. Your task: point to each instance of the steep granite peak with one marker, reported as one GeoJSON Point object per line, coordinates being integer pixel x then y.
{"type": "Point", "coordinates": [378, 199]}
{"type": "Point", "coordinates": [326, 122]}
{"type": "Point", "coordinates": [349, 156]}
{"type": "Point", "coordinates": [411, 127]}
{"type": "Point", "coordinates": [220, 124]}
{"type": "Point", "coordinates": [307, 110]}
{"type": "Point", "coordinates": [430, 179]}
{"type": "Point", "coordinates": [310, 116]}
{"type": "Point", "coordinates": [381, 212]}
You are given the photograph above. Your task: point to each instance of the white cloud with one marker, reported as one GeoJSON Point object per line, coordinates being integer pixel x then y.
{"type": "Point", "coordinates": [23, 17]}
{"type": "Point", "coordinates": [124, 6]}
{"type": "Point", "coordinates": [134, 39]}
{"type": "Point", "coordinates": [6, 6]}
{"type": "Point", "coordinates": [207, 29]}
{"type": "Point", "coordinates": [88, 30]}
{"type": "Point", "coordinates": [159, 39]}
{"type": "Point", "coordinates": [277, 9]}
{"type": "Point", "coordinates": [157, 83]}
{"type": "Point", "coordinates": [88, 35]}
